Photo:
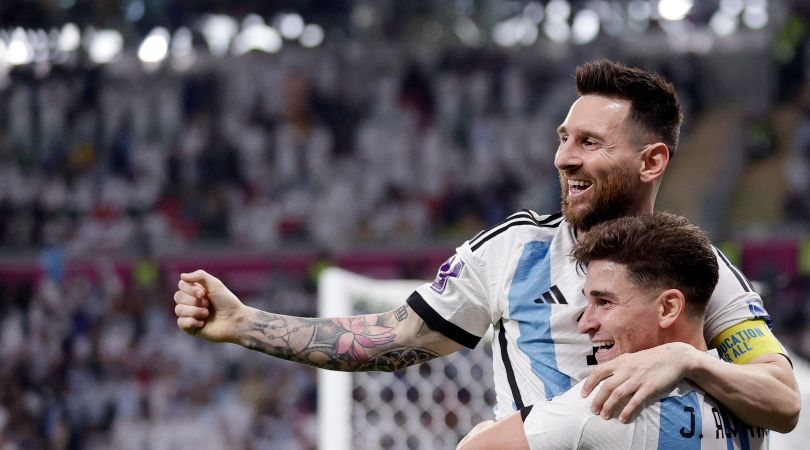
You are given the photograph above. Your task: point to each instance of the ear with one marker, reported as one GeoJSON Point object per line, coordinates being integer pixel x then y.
{"type": "Point", "coordinates": [654, 160]}
{"type": "Point", "coordinates": [671, 305]}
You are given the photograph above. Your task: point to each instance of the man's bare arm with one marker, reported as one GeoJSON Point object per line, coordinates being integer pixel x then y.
{"type": "Point", "coordinates": [762, 392]}
{"type": "Point", "coordinates": [505, 434]}
{"type": "Point", "coordinates": [387, 341]}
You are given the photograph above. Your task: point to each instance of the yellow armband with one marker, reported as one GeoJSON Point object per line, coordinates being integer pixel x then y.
{"type": "Point", "coordinates": [746, 341]}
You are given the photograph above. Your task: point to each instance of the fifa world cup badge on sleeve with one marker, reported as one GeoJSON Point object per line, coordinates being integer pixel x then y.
{"type": "Point", "coordinates": [451, 268]}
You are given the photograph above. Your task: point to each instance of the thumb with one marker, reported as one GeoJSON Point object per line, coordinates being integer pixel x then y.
{"type": "Point", "coordinates": [198, 276]}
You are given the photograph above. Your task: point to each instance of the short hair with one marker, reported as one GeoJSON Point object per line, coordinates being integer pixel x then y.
{"type": "Point", "coordinates": [654, 108]}
{"type": "Point", "coordinates": [660, 250]}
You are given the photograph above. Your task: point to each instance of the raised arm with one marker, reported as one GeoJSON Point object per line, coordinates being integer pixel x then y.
{"type": "Point", "coordinates": [388, 341]}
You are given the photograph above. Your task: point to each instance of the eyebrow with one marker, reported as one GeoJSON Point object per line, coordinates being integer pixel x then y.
{"type": "Point", "coordinates": [588, 132]}
{"type": "Point", "coordinates": [596, 293]}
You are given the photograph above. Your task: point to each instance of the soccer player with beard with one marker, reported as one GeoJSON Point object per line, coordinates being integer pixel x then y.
{"type": "Point", "coordinates": [614, 147]}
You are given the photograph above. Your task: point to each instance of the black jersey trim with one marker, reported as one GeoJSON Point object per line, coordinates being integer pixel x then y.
{"type": "Point", "coordinates": [746, 285]}
{"type": "Point", "coordinates": [524, 217]}
{"type": "Point", "coordinates": [438, 323]}
{"type": "Point", "coordinates": [507, 364]}
{"type": "Point", "coordinates": [524, 412]}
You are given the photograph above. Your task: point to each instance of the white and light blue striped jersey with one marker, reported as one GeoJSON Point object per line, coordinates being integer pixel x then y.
{"type": "Point", "coordinates": [684, 419]}
{"type": "Point", "coordinates": [519, 277]}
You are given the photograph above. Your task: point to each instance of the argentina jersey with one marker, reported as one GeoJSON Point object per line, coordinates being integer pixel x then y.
{"type": "Point", "coordinates": [518, 277]}
{"type": "Point", "coordinates": [684, 419]}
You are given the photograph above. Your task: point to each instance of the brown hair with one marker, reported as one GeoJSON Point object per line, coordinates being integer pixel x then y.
{"type": "Point", "coordinates": [661, 250]}
{"type": "Point", "coordinates": [654, 113]}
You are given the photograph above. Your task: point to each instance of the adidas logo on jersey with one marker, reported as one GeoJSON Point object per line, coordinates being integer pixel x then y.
{"type": "Point", "coordinates": [552, 296]}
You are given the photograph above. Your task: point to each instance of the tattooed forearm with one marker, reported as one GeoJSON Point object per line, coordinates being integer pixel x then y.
{"type": "Point", "coordinates": [358, 343]}
{"type": "Point", "coordinates": [397, 359]}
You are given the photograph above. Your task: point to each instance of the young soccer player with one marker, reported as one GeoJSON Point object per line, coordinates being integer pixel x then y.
{"type": "Point", "coordinates": [648, 281]}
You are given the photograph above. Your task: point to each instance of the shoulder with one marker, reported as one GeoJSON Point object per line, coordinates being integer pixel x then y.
{"type": "Point", "coordinates": [522, 225]}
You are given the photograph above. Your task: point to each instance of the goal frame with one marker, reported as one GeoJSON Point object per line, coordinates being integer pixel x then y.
{"type": "Point", "coordinates": [336, 288]}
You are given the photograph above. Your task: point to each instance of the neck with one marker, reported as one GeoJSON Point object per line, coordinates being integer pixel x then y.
{"type": "Point", "coordinates": [689, 333]}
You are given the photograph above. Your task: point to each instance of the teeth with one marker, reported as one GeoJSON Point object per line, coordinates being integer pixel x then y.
{"type": "Point", "coordinates": [579, 183]}
{"type": "Point", "coordinates": [604, 345]}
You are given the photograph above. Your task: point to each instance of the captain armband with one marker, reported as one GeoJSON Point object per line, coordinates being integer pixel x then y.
{"type": "Point", "coordinates": [746, 341]}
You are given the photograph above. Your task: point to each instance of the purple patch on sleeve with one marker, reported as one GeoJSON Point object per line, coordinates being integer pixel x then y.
{"type": "Point", "coordinates": [451, 268]}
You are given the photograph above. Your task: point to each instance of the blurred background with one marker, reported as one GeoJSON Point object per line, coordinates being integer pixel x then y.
{"type": "Point", "coordinates": [264, 141]}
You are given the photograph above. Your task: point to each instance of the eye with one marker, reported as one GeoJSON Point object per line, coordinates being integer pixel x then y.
{"type": "Point", "coordinates": [603, 302]}
{"type": "Point", "coordinates": [563, 138]}
{"type": "Point", "coordinates": [590, 143]}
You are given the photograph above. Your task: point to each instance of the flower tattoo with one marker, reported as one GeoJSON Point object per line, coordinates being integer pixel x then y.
{"type": "Point", "coordinates": [360, 335]}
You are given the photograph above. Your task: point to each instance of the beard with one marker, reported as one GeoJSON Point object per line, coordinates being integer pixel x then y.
{"type": "Point", "coordinates": [613, 197]}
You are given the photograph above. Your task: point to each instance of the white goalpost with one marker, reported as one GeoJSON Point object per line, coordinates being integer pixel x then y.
{"type": "Point", "coordinates": [434, 404]}
{"type": "Point", "coordinates": [428, 406]}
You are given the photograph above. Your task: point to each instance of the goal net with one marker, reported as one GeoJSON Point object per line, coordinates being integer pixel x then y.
{"type": "Point", "coordinates": [428, 406]}
{"type": "Point", "coordinates": [432, 405]}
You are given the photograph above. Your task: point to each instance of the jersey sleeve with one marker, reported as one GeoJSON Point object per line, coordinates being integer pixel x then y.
{"type": "Point", "coordinates": [556, 424]}
{"type": "Point", "coordinates": [736, 321]}
{"type": "Point", "coordinates": [458, 302]}
{"type": "Point", "coordinates": [732, 302]}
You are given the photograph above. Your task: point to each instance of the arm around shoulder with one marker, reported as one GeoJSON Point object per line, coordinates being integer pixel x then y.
{"type": "Point", "coordinates": [505, 434]}
{"type": "Point", "coordinates": [762, 392]}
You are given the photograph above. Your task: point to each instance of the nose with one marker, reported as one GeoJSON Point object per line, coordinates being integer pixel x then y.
{"type": "Point", "coordinates": [567, 158]}
{"type": "Point", "coordinates": [587, 323]}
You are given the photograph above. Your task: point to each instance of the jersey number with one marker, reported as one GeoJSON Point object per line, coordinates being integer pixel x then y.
{"type": "Point", "coordinates": [591, 359]}
{"type": "Point", "coordinates": [691, 431]}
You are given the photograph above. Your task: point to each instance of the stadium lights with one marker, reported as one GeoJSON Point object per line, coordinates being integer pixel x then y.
{"type": "Point", "coordinates": [639, 10]}
{"type": "Point", "coordinates": [312, 36]}
{"type": "Point", "coordinates": [674, 9]}
{"type": "Point", "coordinates": [534, 11]}
{"type": "Point", "coordinates": [104, 45]}
{"type": "Point", "coordinates": [69, 38]}
{"type": "Point", "coordinates": [155, 47]}
{"type": "Point", "coordinates": [218, 30]}
{"type": "Point", "coordinates": [585, 27]}
{"type": "Point", "coordinates": [468, 32]}
{"type": "Point", "coordinates": [291, 26]}
{"type": "Point", "coordinates": [19, 51]}
{"type": "Point", "coordinates": [611, 18]}
{"type": "Point", "coordinates": [557, 31]}
{"type": "Point", "coordinates": [257, 36]}
{"type": "Point", "coordinates": [182, 50]}
{"type": "Point", "coordinates": [558, 10]}
{"type": "Point", "coordinates": [755, 16]}
{"type": "Point", "coordinates": [732, 7]}
{"type": "Point", "coordinates": [723, 24]}
{"type": "Point", "coordinates": [518, 30]}
{"type": "Point", "coordinates": [505, 33]}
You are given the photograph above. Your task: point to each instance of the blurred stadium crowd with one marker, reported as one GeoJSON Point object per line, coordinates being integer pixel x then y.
{"type": "Point", "coordinates": [338, 148]}
{"type": "Point", "coordinates": [260, 151]}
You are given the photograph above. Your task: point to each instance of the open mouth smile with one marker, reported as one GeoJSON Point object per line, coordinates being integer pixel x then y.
{"type": "Point", "coordinates": [602, 348]}
{"type": "Point", "coordinates": [577, 187]}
